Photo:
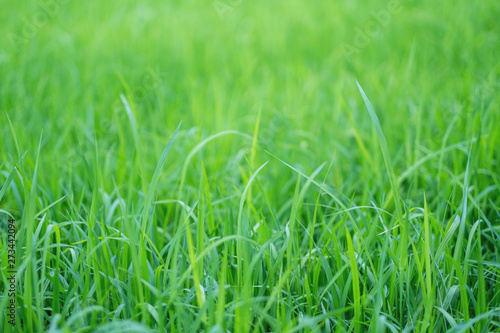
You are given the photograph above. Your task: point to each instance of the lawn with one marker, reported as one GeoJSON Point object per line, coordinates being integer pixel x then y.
{"type": "Point", "coordinates": [250, 166]}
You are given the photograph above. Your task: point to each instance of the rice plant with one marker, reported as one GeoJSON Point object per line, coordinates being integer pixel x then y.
{"type": "Point", "coordinates": [236, 166]}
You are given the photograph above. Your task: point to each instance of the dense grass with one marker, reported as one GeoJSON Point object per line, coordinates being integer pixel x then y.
{"type": "Point", "coordinates": [288, 199]}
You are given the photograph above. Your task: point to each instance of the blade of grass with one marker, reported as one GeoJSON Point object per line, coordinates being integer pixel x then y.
{"type": "Point", "coordinates": [355, 283]}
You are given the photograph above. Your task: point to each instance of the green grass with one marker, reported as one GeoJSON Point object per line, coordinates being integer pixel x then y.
{"type": "Point", "coordinates": [251, 166]}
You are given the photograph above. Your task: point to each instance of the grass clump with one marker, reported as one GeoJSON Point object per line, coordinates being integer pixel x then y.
{"type": "Point", "coordinates": [185, 167]}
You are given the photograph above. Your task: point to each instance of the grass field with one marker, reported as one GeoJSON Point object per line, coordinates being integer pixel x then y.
{"type": "Point", "coordinates": [250, 166]}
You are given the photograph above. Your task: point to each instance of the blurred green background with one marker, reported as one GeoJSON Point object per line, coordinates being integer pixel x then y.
{"type": "Point", "coordinates": [215, 63]}
{"type": "Point", "coordinates": [212, 65]}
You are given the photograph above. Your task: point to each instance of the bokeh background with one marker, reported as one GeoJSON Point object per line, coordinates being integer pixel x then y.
{"type": "Point", "coordinates": [214, 64]}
